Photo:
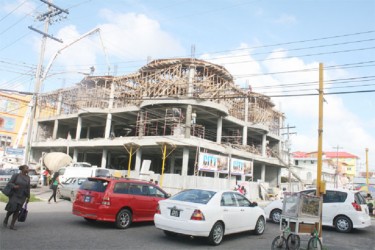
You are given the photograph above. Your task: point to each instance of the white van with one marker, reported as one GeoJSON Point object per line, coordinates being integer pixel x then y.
{"type": "Point", "coordinates": [68, 172]}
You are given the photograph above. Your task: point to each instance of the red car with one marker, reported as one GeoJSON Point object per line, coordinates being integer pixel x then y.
{"type": "Point", "coordinates": [118, 200]}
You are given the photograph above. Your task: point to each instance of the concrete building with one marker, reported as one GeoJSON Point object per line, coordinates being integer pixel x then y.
{"type": "Point", "coordinates": [174, 114]}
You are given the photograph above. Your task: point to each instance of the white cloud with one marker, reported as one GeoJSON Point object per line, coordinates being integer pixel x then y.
{"type": "Point", "coordinates": [286, 19]}
{"type": "Point", "coordinates": [19, 7]}
{"type": "Point", "coordinates": [125, 37]}
{"type": "Point", "coordinates": [340, 126]}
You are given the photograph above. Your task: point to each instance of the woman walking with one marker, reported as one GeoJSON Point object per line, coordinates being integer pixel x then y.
{"type": "Point", "coordinates": [54, 185]}
{"type": "Point", "coordinates": [21, 193]}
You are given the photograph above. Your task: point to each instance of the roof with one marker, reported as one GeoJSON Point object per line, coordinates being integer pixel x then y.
{"type": "Point", "coordinates": [300, 154]}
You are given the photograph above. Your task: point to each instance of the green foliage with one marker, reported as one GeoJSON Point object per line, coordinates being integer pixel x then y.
{"type": "Point", "coordinates": [5, 199]}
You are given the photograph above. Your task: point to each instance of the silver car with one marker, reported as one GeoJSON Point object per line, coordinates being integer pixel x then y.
{"type": "Point", "coordinates": [68, 189]}
{"type": "Point", "coordinates": [34, 178]}
{"type": "Point", "coordinates": [5, 175]}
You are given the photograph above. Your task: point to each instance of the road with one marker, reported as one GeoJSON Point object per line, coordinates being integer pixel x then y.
{"type": "Point", "coordinates": [52, 226]}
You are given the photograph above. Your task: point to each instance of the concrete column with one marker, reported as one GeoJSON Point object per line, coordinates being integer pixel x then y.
{"type": "Point", "coordinates": [172, 159]}
{"type": "Point", "coordinates": [244, 129]}
{"type": "Point", "coordinates": [79, 128]}
{"type": "Point", "coordinates": [138, 160]}
{"type": "Point", "coordinates": [59, 102]}
{"type": "Point", "coordinates": [264, 145]}
{"type": "Point", "coordinates": [108, 126]}
{"type": "Point", "coordinates": [188, 121]}
{"type": "Point", "coordinates": [88, 133]}
{"type": "Point", "coordinates": [263, 173]}
{"type": "Point", "coordinates": [219, 129]}
{"type": "Point", "coordinates": [55, 128]}
{"type": "Point", "coordinates": [185, 161]}
{"type": "Point", "coordinates": [141, 124]}
{"type": "Point", "coordinates": [109, 162]}
{"type": "Point", "coordinates": [104, 158]}
{"type": "Point", "coordinates": [75, 155]}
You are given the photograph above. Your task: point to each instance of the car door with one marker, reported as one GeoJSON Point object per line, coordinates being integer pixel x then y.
{"type": "Point", "coordinates": [247, 214]}
{"type": "Point", "coordinates": [143, 204]}
{"type": "Point", "coordinates": [331, 205]}
{"type": "Point", "coordinates": [231, 213]}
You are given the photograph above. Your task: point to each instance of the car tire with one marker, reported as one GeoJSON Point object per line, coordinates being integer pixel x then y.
{"type": "Point", "coordinates": [275, 215]}
{"type": "Point", "coordinates": [260, 226]}
{"type": "Point", "coordinates": [123, 219]}
{"type": "Point", "coordinates": [170, 234]}
{"type": "Point", "coordinates": [216, 234]}
{"type": "Point", "coordinates": [343, 224]}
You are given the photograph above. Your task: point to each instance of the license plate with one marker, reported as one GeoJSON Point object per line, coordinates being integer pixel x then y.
{"type": "Point", "coordinates": [87, 199]}
{"type": "Point", "coordinates": [175, 213]}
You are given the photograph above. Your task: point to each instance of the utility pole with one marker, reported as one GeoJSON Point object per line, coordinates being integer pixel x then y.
{"type": "Point", "coordinates": [367, 181]}
{"type": "Point", "coordinates": [288, 133]}
{"type": "Point", "coordinates": [337, 165]}
{"type": "Point", "coordinates": [48, 18]}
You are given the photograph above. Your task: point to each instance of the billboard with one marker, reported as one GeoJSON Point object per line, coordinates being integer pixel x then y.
{"type": "Point", "coordinates": [213, 163]}
{"type": "Point", "coordinates": [241, 167]}
{"type": "Point", "coordinates": [219, 163]}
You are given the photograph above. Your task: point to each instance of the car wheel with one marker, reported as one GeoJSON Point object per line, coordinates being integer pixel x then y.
{"type": "Point", "coordinates": [72, 197]}
{"type": "Point", "coordinates": [260, 226]}
{"type": "Point", "coordinates": [123, 219]}
{"type": "Point", "coordinates": [216, 234]}
{"type": "Point", "coordinates": [169, 233]}
{"type": "Point", "coordinates": [343, 224]}
{"type": "Point", "coordinates": [276, 216]}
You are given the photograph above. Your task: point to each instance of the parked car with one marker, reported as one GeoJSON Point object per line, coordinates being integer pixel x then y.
{"type": "Point", "coordinates": [69, 188]}
{"type": "Point", "coordinates": [343, 209]}
{"type": "Point", "coordinates": [119, 200]}
{"type": "Point", "coordinates": [209, 213]}
{"type": "Point", "coordinates": [34, 178]}
{"type": "Point", "coordinates": [5, 175]}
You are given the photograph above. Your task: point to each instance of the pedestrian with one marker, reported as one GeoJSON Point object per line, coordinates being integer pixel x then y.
{"type": "Point", "coordinates": [55, 183]}
{"type": "Point", "coordinates": [45, 177]}
{"type": "Point", "coordinates": [157, 183]}
{"type": "Point", "coordinates": [21, 194]}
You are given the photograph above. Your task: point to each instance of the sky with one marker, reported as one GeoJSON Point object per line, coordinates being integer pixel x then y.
{"type": "Point", "coordinates": [273, 46]}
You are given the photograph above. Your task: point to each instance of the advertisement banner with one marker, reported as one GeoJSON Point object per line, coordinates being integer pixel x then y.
{"type": "Point", "coordinates": [213, 163]}
{"type": "Point", "coordinates": [241, 167]}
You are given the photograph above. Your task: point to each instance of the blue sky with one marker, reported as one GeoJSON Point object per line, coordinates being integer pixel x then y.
{"type": "Point", "coordinates": [254, 40]}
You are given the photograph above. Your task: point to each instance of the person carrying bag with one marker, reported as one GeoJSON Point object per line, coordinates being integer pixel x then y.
{"type": "Point", "coordinates": [23, 213]}
{"type": "Point", "coordinates": [20, 195]}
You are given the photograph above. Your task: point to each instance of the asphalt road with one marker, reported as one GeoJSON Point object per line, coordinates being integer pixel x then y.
{"type": "Point", "coordinates": [52, 226]}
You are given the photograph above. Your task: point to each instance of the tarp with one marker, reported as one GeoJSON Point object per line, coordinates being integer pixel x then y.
{"type": "Point", "coordinates": [55, 160]}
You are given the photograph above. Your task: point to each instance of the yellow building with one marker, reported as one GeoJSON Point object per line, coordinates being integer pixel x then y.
{"type": "Point", "coordinates": [13, 109]}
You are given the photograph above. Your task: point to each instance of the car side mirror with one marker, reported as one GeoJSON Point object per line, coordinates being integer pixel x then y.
{"type": "Point", "coordinates": [253, 204]}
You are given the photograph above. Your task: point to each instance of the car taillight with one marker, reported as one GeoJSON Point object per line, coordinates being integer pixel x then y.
{"type": "Point", "coordinates": [197, 215]}
{"type": "Point", "coordinates": [106, 201]}
{"type": "Point", "coordinates": [158, 209]}
{"type": "Point", "coordinates": [356, 206]}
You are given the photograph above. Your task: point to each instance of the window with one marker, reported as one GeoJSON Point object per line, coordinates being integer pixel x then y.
{"type": "Point", "coordinates": [95, 185]}
{"type": "Point", "coordinates": [121, 188]}
{"type": "Point", "coordinates": [334, 196]}
{"type": "Point", "coordinates": [228, 200]}
{"type": "Point", "coordinates": [194, 195]}
{"type": "Point", "coordinates": [154, 191]}
{"type": "Point", "coordinates": [242, 201]}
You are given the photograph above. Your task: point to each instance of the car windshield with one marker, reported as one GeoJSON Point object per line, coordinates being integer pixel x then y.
{"type": "Point", "coordinates": [94, 185]}
{"type": "Point", "coordinates": [194, 195]}
{"type": "Point", "coordinates": [3, 172]}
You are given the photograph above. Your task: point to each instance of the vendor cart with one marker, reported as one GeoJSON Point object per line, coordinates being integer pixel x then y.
{"type": "Point", "coordinates": [300, 216]}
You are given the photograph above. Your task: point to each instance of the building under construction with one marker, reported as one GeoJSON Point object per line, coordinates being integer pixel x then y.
{"type": "Point", "coordinates": [169, 112]}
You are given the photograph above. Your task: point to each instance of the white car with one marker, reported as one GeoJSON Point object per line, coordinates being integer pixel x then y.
{"type": "Point", "coordinates": [343, 209]}
{"type": "Point", "coordinates": [209, 213]}
{"type": "Point", "coordinates": [69, 188]}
